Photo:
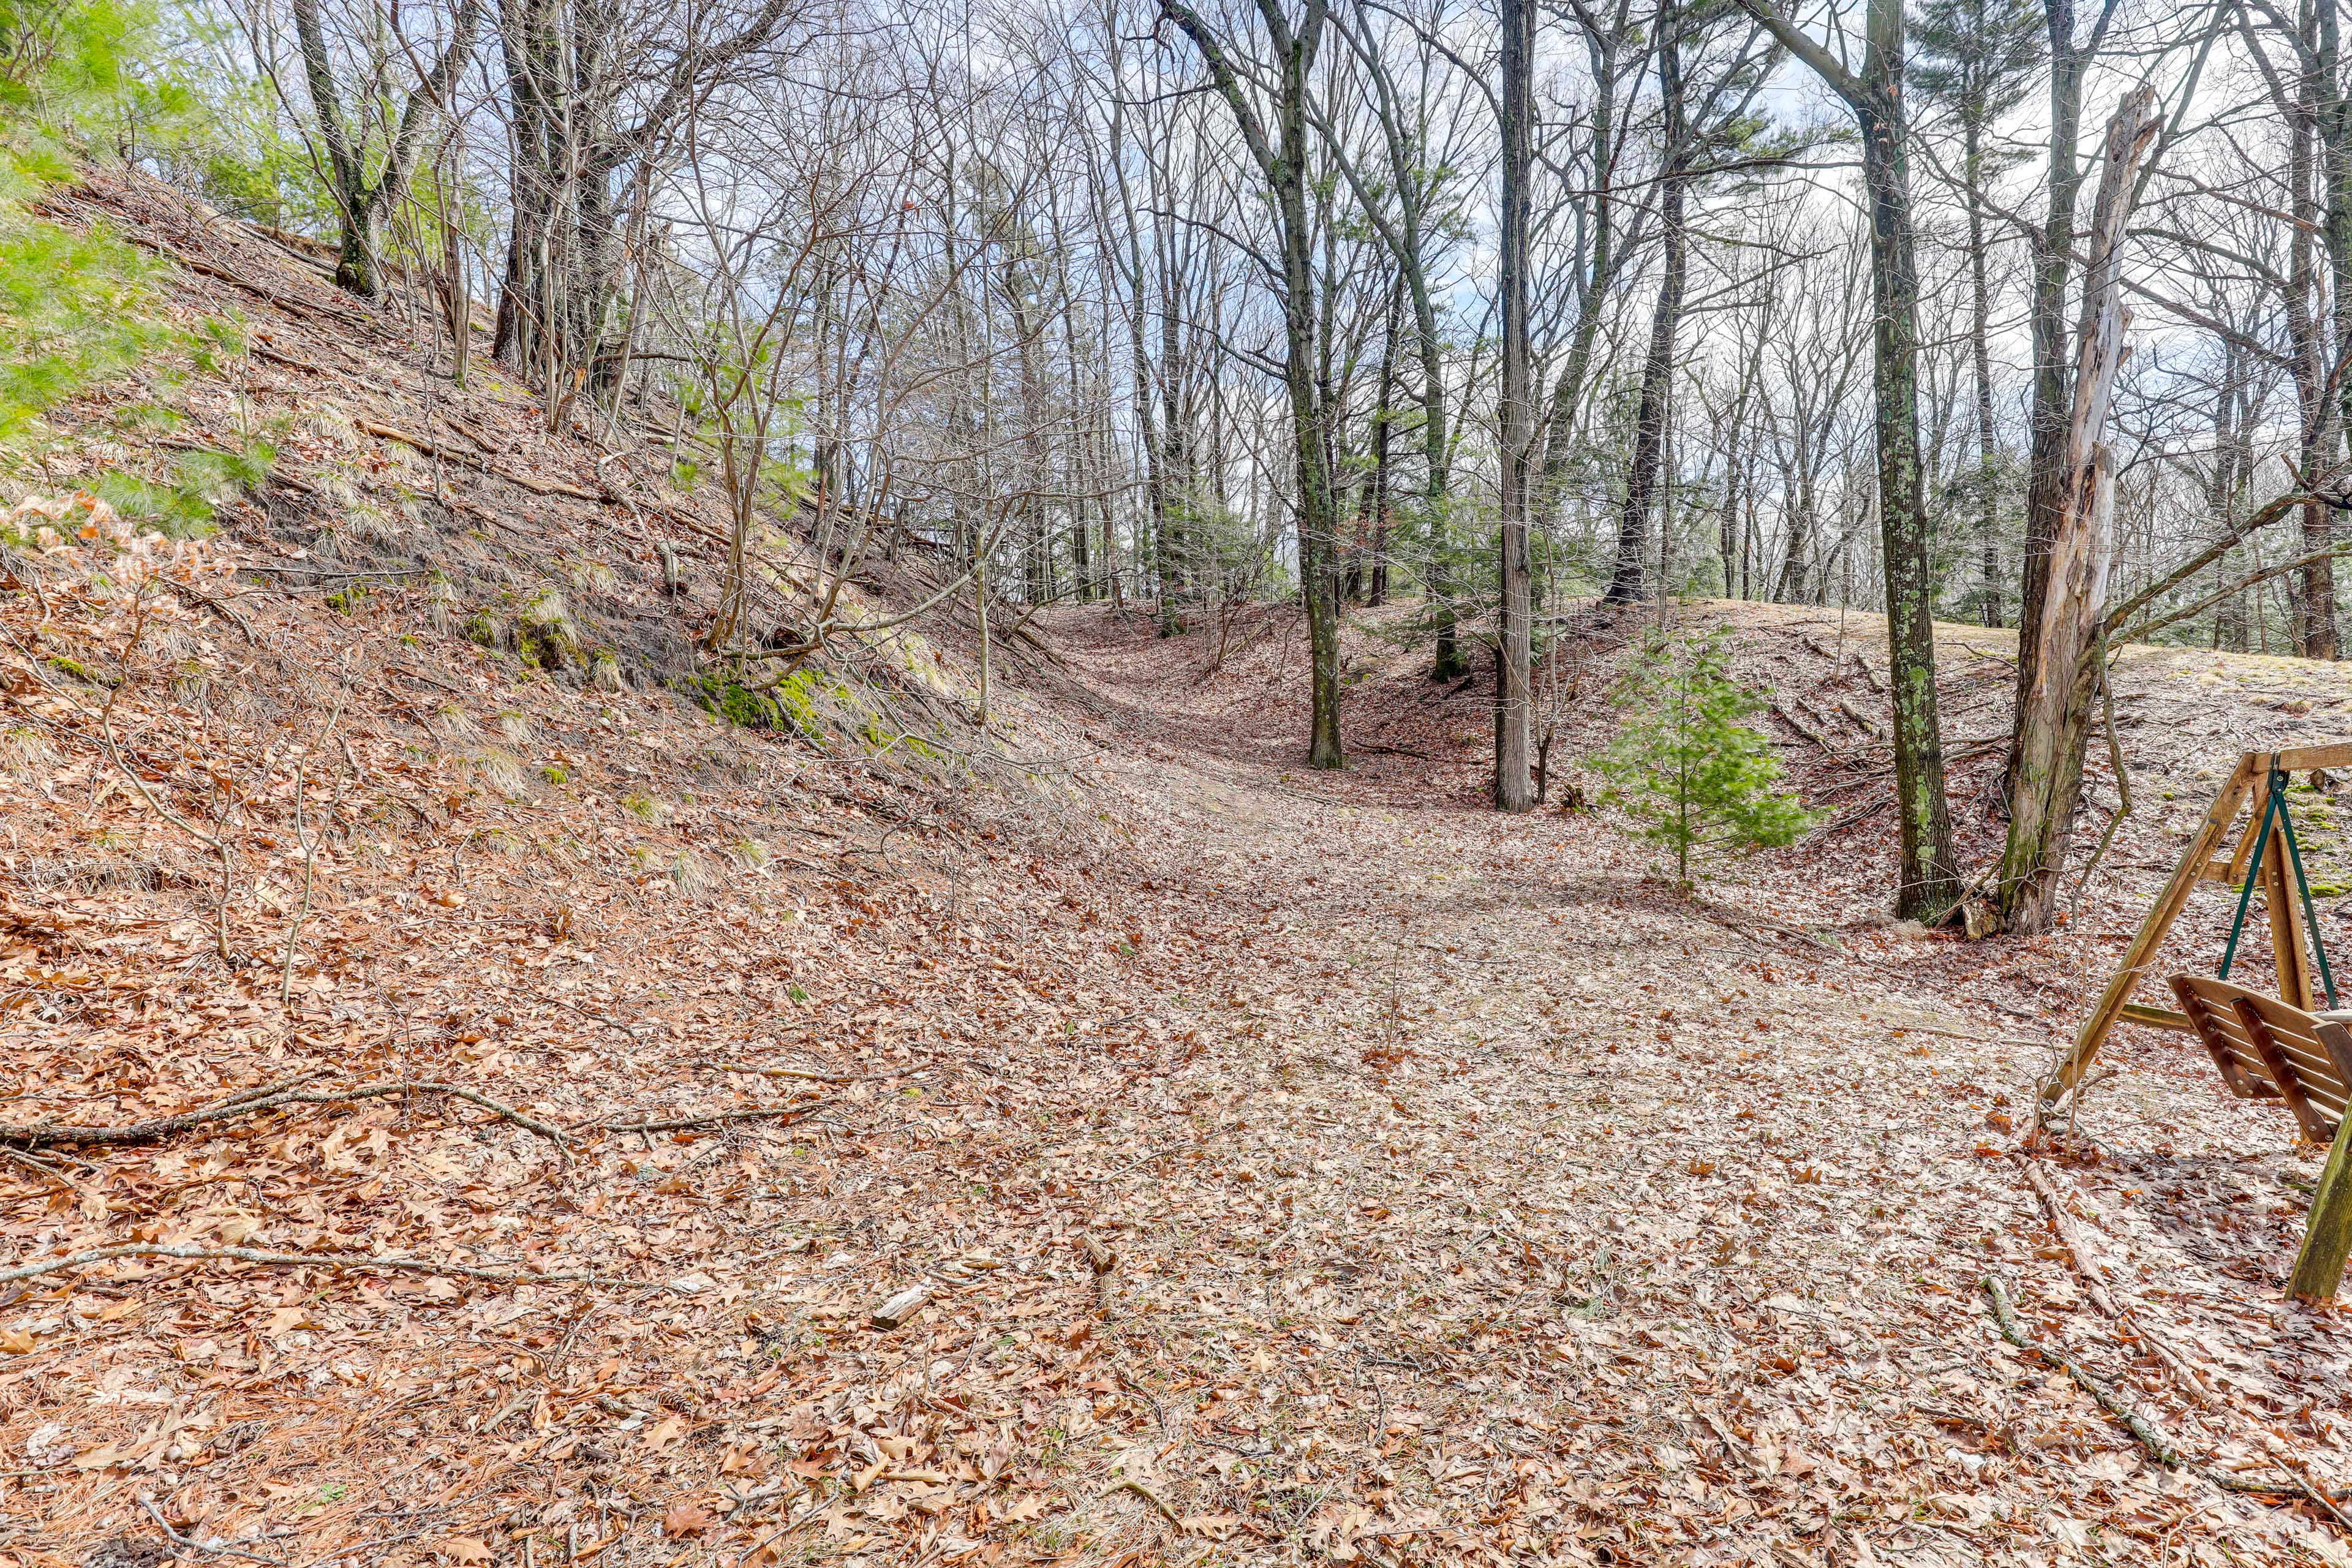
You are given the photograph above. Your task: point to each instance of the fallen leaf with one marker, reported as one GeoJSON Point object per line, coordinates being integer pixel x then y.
{"type": "Point", "coordinates": [685, 1518]}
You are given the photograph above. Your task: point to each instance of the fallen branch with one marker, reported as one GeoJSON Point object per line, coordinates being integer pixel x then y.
{"type": "Point", "coordinates": [1131, 1484]}
{"type": "Point", "coordinates": [708, 1119]}
{"type": "Point", "coordinates": [49, 925]}
{"type": "Point", "coordinates": [45, 1168]}
{"type": "Point", "coordinates": [432, 448]}
{"type": "Point", "coordinates": [286, 303]}
{"type": "Point", "coordinates": [2157, 1446]}
{"type": "Point", "coordinates": [779, 1073]}
{"type": "Point", "coordinates": [1869, 773]}
{"type": "Point", "coordinates": [1868, 725]}
{"type": "Point", "coordinates": [191, 592]}
{"type": "Point", "coordinates": [544, 1128]}
{"type": "Point", "coordinates": [278, 356]}
{"type": "Point", "coordinates": [359, 1260]}
{"type": "Point", "coordinates": [2160, 1447]}
{"type": "Point", "coordinates": [219, 1548]}
{"type": "Point", "coordinates": [58, 1133]}
{"type": "Point", "coordinates": [2191, 1379]}
{"type": "Point", "coordinates": [1818, 739]}
{"type": "Point", "coordinates": [598, 1018]}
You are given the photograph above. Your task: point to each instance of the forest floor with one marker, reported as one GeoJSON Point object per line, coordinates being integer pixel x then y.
{"type": "Point", "coordinates": [1290, 1166]}
{"type": "Point", "coordinates": [1652, 1228]}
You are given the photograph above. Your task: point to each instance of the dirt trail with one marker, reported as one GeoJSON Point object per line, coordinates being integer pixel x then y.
{"type": "Point", "coordinates": [1509, 1199]}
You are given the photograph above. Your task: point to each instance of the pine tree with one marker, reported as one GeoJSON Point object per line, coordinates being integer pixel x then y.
{"type": "Point", "coordinates": [1685, 767]}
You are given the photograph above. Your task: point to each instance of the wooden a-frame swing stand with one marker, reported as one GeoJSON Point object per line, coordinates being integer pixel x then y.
{"type": "Point", "coordinates": [2290, 944]}
{"type": "Point", "coordinates": [2247, 794]}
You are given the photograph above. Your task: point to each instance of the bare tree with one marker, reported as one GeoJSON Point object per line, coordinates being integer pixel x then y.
{"type": "Point", "coordinates": [354, 70]}
{"type": "Point", "coordinates": [1279, 152]}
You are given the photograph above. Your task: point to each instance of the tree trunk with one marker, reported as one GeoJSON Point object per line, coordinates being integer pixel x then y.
{"type": "Point", "coordinates": [2053, 727]}
{"type": "Point", "coordinates": [1928, 883]}
{"type": "Point", "coordinates": [1028, 328]}
{"type": "Point", "coordinates": [1282, 160]}
{"type": "Point", "coordinates": [1988, 476]}
{"type": "Point", "coordinates": [1514, 640]}
{"type": "Point", "coordinates": [356, 263]}
{"type": "Point", "coordinates": [2305, 333]}
{"type": "Point", "coordinates": [2332, 119]}
{"type": "Point", "coordinates": [2048, 477]}
{"type": "Point", "coordinates": [367, 183]}
{"type": "Point", "coordinates": [1626, 583]}
{"type": "Point", "coordinates": [1317, 514]}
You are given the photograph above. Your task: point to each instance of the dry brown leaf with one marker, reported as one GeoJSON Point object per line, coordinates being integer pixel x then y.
{"type": "Point", "coordinates": [686, 1518]}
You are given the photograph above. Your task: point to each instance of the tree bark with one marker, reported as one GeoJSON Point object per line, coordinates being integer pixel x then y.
{"type": "Point", "coordinates": [1987, 476]}
{"type": "Point", "coordinates": [2333, 121]}
{"type": "Point", "coordinates": [2048, 477]}
{"type": "Point", "coordinates": [363, 199]}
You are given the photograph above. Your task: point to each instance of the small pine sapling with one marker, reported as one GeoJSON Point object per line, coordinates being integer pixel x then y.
{"type": "Point", "coordinates": [1685, 767]}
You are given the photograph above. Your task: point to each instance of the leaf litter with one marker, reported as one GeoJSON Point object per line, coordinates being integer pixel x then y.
{"type": "Point", "coordinates": [1169, 1156]}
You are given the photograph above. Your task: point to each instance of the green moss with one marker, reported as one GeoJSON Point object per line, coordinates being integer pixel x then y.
{"type": "Point", "coordinates": [482, 627]}
{"type": "Point", "coordinates": [733, 702]}
{"type": "Point", "coordinates": [804, 703]}
{"type": "Point", "coordinates": [544, 646]}
{"type": "Point", "coordinates": [553, 775]}
{"type": "Point", "coordinates": [800, 694]}
{"type": "Point", "coordinates": [75, 669]}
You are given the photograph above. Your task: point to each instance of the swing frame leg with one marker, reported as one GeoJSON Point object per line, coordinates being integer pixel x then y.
{"type": "Point", "coordinates": [2327, 1235]}
{"type": "Point", "coordinates": [2196, 864]}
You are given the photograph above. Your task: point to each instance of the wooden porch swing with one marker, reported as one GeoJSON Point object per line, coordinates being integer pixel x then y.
{"type": "Point", "coordinates": [2292, 1047]}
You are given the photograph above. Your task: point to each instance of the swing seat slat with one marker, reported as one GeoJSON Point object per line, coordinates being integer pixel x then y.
{"type": "Point", "coordinates": [2266, 1049]}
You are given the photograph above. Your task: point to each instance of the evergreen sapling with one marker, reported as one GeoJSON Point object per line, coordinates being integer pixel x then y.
{"type": "Point", "coordinates": [1685, 767]}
